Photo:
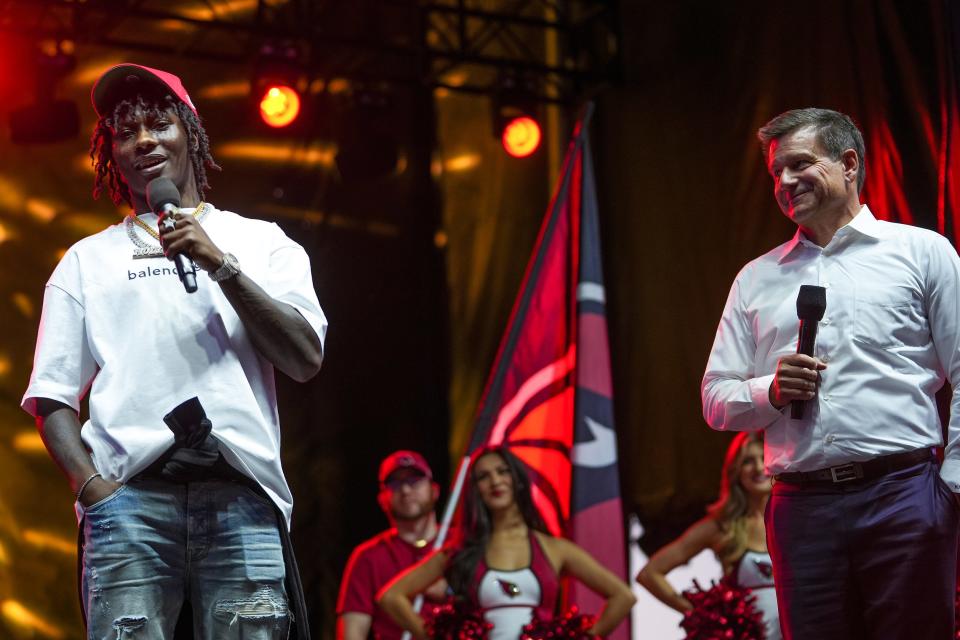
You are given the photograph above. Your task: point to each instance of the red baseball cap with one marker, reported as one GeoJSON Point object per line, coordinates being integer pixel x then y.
{"type": "Point", "coordinates": [110, 86]}
{"type": "Point", "coordinates": [403, 459]}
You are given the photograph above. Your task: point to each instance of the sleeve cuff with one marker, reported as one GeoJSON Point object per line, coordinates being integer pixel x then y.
{"type": "Point", "coordinates": [760, 394]}
{"type": "Point", "coordinates": [317, 322]}
{"type": "Point", "coordinates": [50, 391]}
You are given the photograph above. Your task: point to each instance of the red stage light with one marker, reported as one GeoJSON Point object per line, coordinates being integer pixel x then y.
{"type": "Point", "coordinates": [279, 106]}
{"type": "Point", "coordinates": [521, 137]}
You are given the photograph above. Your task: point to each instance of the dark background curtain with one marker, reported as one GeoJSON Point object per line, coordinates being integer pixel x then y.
{"type": "Point", "coordinates": [687, 201]}
{"type": "Point", "coordinates": [418, 275]}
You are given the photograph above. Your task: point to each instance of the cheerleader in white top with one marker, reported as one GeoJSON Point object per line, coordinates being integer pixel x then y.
{"type": "Point", "coordinates": [504, 563]}
{"type": "Point", "coordinates": [754, 571]}
{"type": "Point", "coordinates": [510, 599]}
{"type": "Point", "coordinates": [733, 529]}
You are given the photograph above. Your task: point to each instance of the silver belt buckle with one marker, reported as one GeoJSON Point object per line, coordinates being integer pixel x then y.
{"type": "Point", "coordinates": [846, 472]}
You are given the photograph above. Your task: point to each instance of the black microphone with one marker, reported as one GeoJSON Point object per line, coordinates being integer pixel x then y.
{"type": "Point", "coordinates": [164, 199]}
{"type": "Point", "coordinates": [811, 303]}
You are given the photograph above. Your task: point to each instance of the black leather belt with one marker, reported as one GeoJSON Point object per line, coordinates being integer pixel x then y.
{"type": "Point", "coordinates": [866, 470]}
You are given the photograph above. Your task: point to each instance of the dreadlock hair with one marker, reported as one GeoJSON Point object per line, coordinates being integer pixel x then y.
{"type": "Point", "coordinates": [477, 525]}
{"type": "Point", "coordinates": [101, 144]}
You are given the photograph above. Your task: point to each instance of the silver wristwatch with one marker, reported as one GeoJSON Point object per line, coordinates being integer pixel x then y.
{"type": "Point", "coordinates": [228, 269]}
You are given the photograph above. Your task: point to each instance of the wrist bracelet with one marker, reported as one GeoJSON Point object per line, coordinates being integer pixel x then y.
{"type": "Point", "coordinates": [85, 483]}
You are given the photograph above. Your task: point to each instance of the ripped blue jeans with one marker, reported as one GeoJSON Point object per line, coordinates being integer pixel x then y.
{"type": "Point", "coordinates": [152, 545]}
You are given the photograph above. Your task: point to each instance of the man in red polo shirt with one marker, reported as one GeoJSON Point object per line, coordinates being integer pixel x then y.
{"type": "Point", "coordinates": [407, 495]}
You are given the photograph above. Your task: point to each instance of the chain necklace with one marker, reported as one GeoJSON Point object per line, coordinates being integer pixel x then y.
{"type": "Point", "coordinates": [145, 249]}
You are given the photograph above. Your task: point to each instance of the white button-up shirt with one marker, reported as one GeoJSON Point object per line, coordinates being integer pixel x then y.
{"type": "Point", "coordinates": [890, 337]}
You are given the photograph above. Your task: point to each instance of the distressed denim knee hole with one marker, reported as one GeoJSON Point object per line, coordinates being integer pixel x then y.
{"type": "Point", "coordinates": [265, 607]}
{"type": "Point", "coordinates": [128, 626]}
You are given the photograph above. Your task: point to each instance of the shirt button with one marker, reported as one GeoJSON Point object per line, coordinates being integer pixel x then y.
{"type": "Point", "coordinates": [827, 398]}
{"type": "Point", "coordinates": [826, 321]}
{"type": "Point", "coordinates": [830, 438]}
{"type": "Point", "coordinates": [825, 359]}
{"type": "Point", "coordinates": [826, 285]}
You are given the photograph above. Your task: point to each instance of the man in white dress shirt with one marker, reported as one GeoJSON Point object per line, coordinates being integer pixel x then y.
{"type": "Point", "coordinates": [862, 523]}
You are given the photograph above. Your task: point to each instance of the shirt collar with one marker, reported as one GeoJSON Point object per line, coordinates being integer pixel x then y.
{"type": "Point", "coordinates": [864, 223]}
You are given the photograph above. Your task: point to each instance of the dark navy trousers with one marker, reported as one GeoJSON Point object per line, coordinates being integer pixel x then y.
{"type": "Point", "coordinates": [866, 559]}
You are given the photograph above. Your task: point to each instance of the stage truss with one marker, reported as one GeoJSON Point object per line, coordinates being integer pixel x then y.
{"type": "Point", "coordinates": [557, 51]}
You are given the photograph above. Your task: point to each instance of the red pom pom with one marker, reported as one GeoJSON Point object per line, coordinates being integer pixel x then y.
{"type": "Point", "coordinates": [456, 621]}
{"type": "Point", "coordinates": [724, 611]}
{"type": "Point", "coordinates": [572, 625]}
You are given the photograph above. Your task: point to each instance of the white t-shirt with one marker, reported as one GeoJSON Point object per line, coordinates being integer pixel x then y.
{"type": "Point", "coordinates": [126, 330]}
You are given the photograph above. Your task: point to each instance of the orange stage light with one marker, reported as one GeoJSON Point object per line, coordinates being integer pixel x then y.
{"type": "Point", "coordinates": [17, 615]}
{"type": "Point", "coordinates": [521, 137]}
{"type": "Point", "coordinates": [279, 106]}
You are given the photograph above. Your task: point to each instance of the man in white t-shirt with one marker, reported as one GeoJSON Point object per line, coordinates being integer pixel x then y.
{"type": "Point", "coordinates": [179, 491]}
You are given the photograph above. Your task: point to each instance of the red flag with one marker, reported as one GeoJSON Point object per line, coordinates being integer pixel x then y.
{"type": "Point", "coordinates": [549, 395]}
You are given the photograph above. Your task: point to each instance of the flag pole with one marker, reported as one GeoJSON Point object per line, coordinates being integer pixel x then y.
{"type": "Point", "coordinates": [441, 536]}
